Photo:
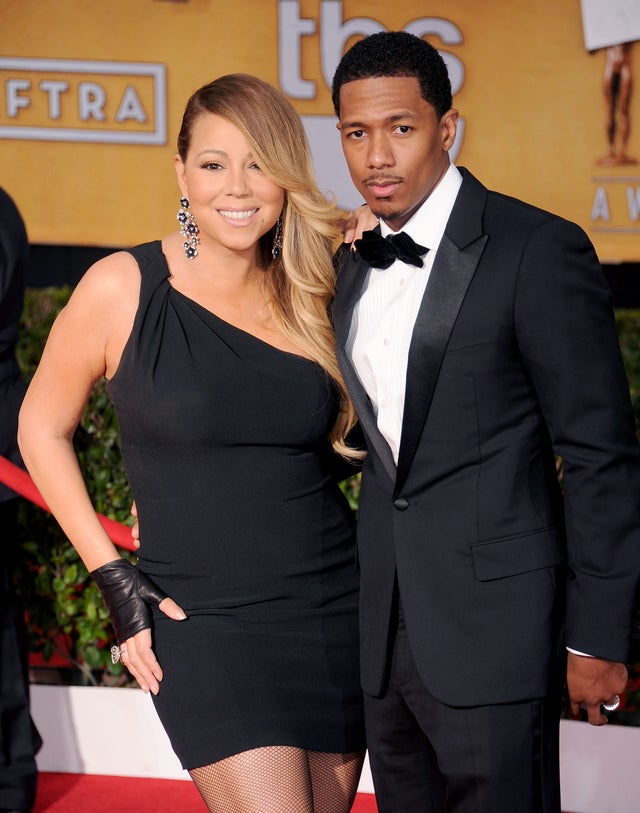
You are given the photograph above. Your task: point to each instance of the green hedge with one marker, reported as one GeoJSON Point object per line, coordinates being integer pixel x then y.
{"type": "Point", "coordinates": [66, 612]}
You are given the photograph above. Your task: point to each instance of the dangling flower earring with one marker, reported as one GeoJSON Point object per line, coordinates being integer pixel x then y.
{"type": "Point", "coordinates": [277, 240]}
{"type": "Point", "coordinates": [188, 229]}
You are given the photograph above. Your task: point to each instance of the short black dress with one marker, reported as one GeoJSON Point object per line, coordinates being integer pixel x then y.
{"type": "Point", "coordinates": [224, 443]}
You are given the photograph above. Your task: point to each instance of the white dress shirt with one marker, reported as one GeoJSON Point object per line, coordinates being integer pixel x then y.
{"type": "Point", "coordinates": [384, 317]}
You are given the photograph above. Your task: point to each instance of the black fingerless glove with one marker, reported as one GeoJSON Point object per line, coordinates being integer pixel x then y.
{"type": "Point", "coordinates": [129, 595]}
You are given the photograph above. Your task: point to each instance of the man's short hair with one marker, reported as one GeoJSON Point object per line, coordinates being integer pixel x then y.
{"type": "Point", "coordinates": [396, 53]}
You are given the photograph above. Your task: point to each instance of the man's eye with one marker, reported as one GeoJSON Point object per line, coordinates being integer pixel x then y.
{"type": "Point", "coordinates": [356, 134]}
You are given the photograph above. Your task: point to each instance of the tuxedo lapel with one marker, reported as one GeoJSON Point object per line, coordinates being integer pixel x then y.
{"type": "Point", "coordinates": [456, 261]}
{"type": "Point", "coordinates": [351, 278]}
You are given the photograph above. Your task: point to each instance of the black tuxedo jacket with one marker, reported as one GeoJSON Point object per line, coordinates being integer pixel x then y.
{"type": "Point", "coordinates": [514, 355]}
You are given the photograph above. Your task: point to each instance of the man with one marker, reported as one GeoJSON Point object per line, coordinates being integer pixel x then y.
{"type": "Point", "coordinates": [468, 369]}
{"type": "Point", "coordinates": [19, 740]}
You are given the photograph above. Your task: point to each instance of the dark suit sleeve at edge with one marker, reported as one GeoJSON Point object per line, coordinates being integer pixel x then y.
{"type": "Point", "coordinates": [566, 333]}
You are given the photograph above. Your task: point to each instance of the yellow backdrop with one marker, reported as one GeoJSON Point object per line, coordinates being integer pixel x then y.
{"type": "Point", "coordinates": [91, 96]}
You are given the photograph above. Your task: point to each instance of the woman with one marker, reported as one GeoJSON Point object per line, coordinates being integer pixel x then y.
{"type": "Point", "coordinates": [219, 356]}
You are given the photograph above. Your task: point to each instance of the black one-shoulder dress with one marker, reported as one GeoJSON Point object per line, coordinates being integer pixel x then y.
{"type": "Point", "coordinates": [224, 443]}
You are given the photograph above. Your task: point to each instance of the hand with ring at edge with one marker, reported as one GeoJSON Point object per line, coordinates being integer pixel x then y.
{"type": "Point", "coordinates": [593, 684]}
{"type": "Point", "coordinates": [129, 595]}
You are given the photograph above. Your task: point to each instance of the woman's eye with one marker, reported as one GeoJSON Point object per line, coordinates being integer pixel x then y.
{"type": "Point", "coordinates": [211, 165]}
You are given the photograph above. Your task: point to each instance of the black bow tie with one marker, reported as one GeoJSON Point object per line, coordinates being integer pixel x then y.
{"type": "Point", "coordinates": [381, 252]}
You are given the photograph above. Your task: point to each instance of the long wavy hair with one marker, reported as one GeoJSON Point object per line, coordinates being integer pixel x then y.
{"type": "Point", "coordinates": [300, 283]}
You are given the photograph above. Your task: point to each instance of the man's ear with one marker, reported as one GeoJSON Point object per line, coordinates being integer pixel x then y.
{"type": "Point", "coordinates": [448, 127]}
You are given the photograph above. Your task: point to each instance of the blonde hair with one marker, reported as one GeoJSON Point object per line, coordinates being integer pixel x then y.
{"type": "Point", "coordinates": [300, 283]}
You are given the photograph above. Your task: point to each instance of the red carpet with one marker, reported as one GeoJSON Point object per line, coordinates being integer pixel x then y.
{"type": "Point", "coordinates": [80, 793]}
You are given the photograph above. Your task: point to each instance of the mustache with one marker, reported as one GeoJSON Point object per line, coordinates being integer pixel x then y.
{"type": "Point", "coordinates": [378, 177]}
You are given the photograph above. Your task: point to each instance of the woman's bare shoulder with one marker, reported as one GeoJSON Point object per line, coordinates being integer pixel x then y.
{"type": "Point", "coordinates": [115, 276]}
{"type": "Point", "coordinates": [102, 309]}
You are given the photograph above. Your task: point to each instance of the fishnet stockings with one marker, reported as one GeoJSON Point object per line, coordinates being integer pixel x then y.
{"type": "Point", "coordinates": [280, 779]}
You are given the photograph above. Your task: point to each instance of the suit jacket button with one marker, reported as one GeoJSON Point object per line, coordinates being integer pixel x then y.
{"type": "Point", "coordinates": [401, 504]}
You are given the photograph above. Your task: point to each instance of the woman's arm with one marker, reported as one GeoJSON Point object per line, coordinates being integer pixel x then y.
{"type": "Point", "coordinates": [74, 358]}
{"type": "Point", "coordinates": [85, 343]}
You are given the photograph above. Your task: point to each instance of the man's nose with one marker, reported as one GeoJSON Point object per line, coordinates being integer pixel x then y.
{"type": "Point", "coordinates": [379, 153]}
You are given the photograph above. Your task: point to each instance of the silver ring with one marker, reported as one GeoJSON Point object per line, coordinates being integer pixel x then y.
{"type": "Point", "coordinates": [117, 652]}
{"type": "Point", "coordinates": [613, 705]}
